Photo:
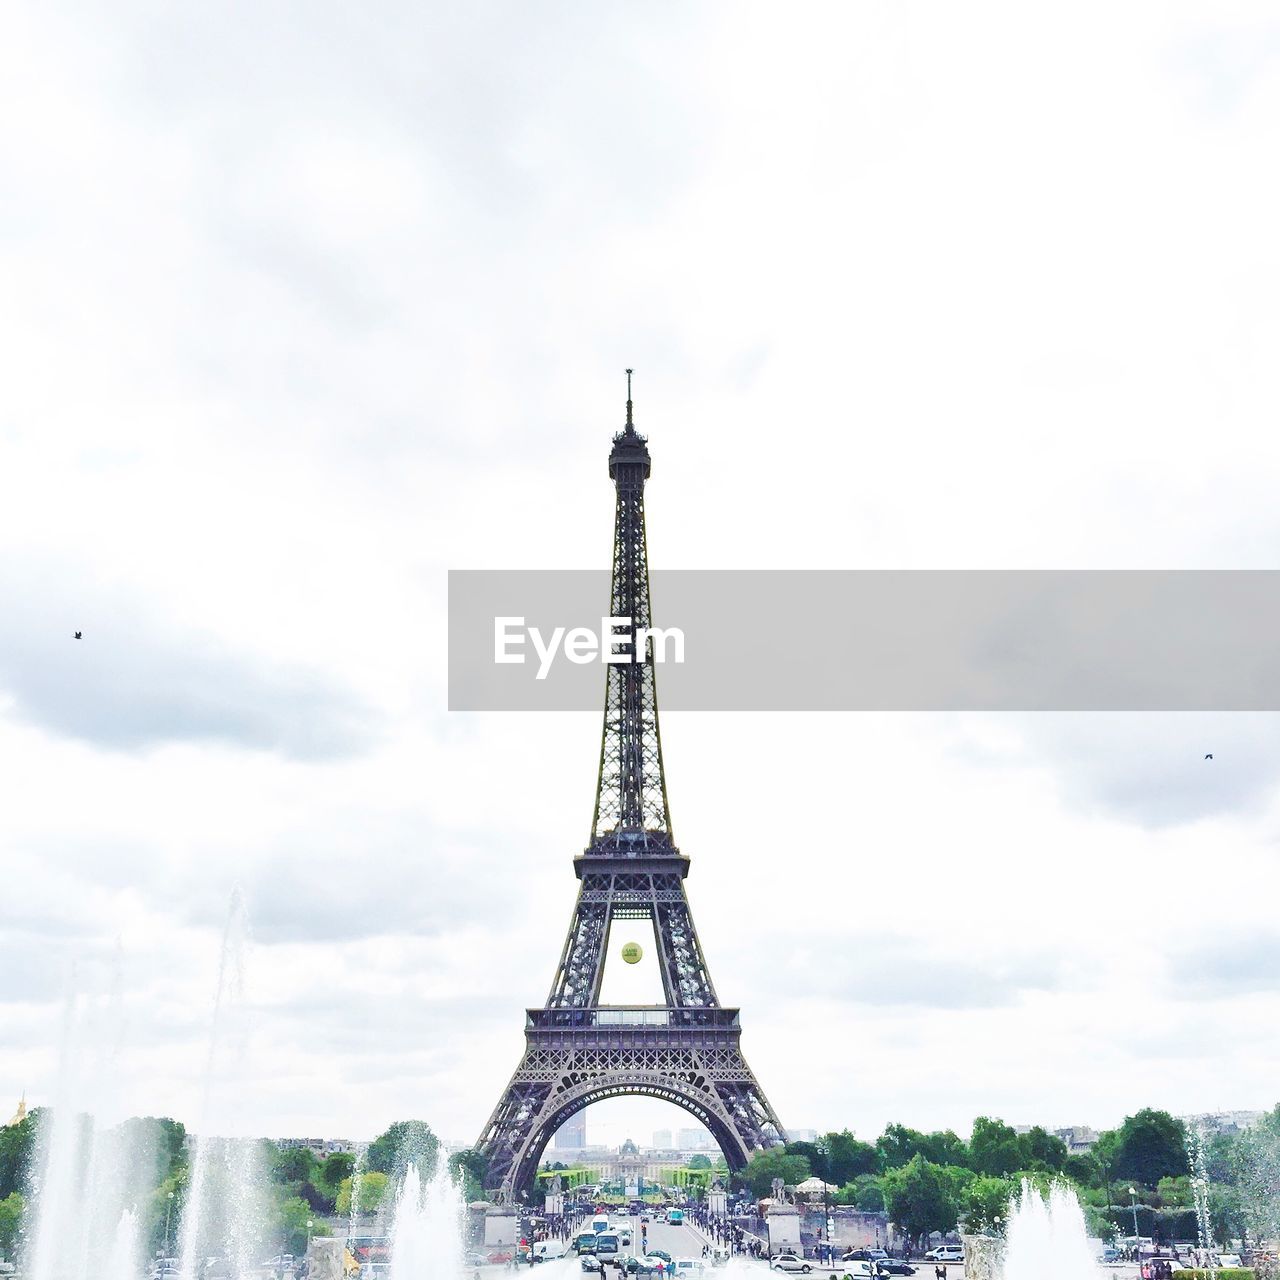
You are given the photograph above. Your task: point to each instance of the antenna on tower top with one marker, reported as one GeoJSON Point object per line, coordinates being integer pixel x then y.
{"type": "Point", "coordinates": [629, 373]}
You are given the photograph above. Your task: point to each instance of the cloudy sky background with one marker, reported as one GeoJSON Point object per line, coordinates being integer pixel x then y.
{"type": "Point", "coordinates": [303, 307]}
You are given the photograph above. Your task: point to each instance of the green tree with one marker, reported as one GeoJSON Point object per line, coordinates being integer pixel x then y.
{"type": "Point", "coordinates": [1042, 1150]}
{"type": "Point", "coordinates": [292, 1217]}
{"type": "Point", "coordinates": [1149, 1146]}
{"type": "Point", "coordinates": [898, 1144]}
{"type": "Point", "coordinates": [406, 1142]}
{"type": "Point", "coordinates": [985, 1204]}
{"type": "Point", "coordinates": [847, 1157]}
{"type": "Point", "coordinates": [815, 1155]}
{"type": "Point", "coordinates": [10, 1222]}
{"type": "Point", "coordinates": [945, 1147]}
{"type": "Point", "coordinates": [17, 1144]}
{"type": "Point", "coordinates": [1083, 1167]}
{"type": "Point", "coordinates": [1099, 1224]}
{"type": "Point", "coordinates": [1175, 1193]}
{"type": "Point", "coordinates": [470, 1166]}
{"type": "Point", "coordinates": [341, 1164]}
{"type": "Point", "coordinates": [994, 1148]}
{"type": "Point", "coordinates": [919, 1199]}
{"type": "Point", "coordinates": [698, 1162]}
{"type": "Point", "coordinates": [764, 1166]}
{"type": "Point", "coordinates": [374, 1188]}
{"type": "Point", "coordinates": [864, 1192]}
{"type": "Point", "coordinates": [159, 1212]}
{"type": "Point", "coordinates": [293, 1164]}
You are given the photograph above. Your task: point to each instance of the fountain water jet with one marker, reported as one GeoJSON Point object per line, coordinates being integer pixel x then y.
{"type": "Point", "coordinates": [123, 1259]}
{"type": "Point", "coordinates": [85, 1178]}
{"type": "Point", "coordinates": [1047, 1238]}
{"type": "Point", "coordinates": [222, 1213]}
{"type": "Point", "coordinates": [426, 1232]}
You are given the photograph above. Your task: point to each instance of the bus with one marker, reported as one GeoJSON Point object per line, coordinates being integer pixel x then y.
{"type": "Point", "coordinates": [675, 1217]}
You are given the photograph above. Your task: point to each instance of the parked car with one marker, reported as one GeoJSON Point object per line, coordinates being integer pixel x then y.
{"type": "Point", "coordinates": [895, 1267]}
{"type": "Point", "coordinates": [946, 1253]}
{"type": "Point", "coordinates": [861, 1269]}
{"type": "Point", "coordinates": [789, 1262]}
{"type": "Point", "coordinates": [646, 1265]}
{"type": "Point", "coordinates": [687, 1268]}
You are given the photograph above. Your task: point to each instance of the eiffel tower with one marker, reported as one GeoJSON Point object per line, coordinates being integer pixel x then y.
{"type": "Point", "coordinates": [577, 1050]}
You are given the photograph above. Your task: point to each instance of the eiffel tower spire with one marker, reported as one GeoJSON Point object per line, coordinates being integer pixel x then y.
{"type": "Point", "coordinates": [631, 789]}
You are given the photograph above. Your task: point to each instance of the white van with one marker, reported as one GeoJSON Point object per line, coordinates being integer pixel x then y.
{"type": "Point", "coordinates": [548, 1250]}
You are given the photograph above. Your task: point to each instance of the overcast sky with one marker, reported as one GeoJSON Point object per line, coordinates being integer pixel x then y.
{"type": "Point", "coordinates": [304, 305]}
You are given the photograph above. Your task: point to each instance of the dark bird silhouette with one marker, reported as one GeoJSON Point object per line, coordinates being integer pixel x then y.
{"type": "Point", "coordinates": [1209, 755]}
{"type": "Point", "coordinates": [79, 635]}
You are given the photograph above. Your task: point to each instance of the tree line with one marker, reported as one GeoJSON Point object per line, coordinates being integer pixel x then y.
{"type": "Point", "coordinates": [938, 1181]}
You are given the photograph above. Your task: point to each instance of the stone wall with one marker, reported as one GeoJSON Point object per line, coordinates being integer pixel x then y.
{"type": "Point", "coordinates": [850, 1228]}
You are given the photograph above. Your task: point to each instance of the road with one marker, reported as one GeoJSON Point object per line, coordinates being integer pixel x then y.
{"type": "Point", "coordinates": [679, 1242]}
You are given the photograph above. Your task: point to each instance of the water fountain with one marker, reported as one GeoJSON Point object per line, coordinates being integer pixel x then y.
{"type": "Point", "coordinates": [426, 1231]}
{"type": "Point", "coordinates": [223, 1214]}
{"type": "Point", "coordinates": [1046, 1238]}
{"type": "Point", "coordinates": [91, 1186]}
{"type": "Point", "coordinates": [87, 1180]}
{"type": "Point", "coordinates": [1197, 1141]}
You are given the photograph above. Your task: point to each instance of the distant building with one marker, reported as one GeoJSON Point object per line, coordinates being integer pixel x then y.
{"type": "Point", "coordinates": [20, 1115]}
{"type": "Point", "coordinates": [321, 1147]}
{"type": "Point", "coordinates": [572, 1135]}
{"type": "Point", "coordinates": [695, 1140]}
{"type": "Point", "coordinates": [627, 1162]}
{"type": "Point", "coordinates": [1078, 1137]}
{"type": "Point", "coordinates": [1228, 1122]}
{"type": "Point", "coordinates": [802, 1135]}
{"type": "Point", "coordinates": [662, 1139]}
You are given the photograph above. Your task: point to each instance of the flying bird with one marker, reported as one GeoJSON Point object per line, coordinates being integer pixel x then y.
{"type": "Point", "coordinates": [1208, 755]}
{"type": "Point", "coordinates": [79, 635]}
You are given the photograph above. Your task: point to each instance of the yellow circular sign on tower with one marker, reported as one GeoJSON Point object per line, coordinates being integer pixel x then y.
{"type": "Point", "coordinates": [631, 952]}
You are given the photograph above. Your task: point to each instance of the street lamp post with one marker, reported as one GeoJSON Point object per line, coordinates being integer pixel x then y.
{"type": "Point", "coordinates": [1133, 1204]}
{"type": "Point", "coordinates": [168, 1214]}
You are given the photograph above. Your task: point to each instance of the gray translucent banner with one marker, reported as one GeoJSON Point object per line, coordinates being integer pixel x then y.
{"type": "Point", "coordinates": [816, 640]}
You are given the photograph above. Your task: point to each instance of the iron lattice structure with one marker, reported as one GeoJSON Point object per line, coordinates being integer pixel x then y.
{"type": "Point", "coordinates": [578, 1051]}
